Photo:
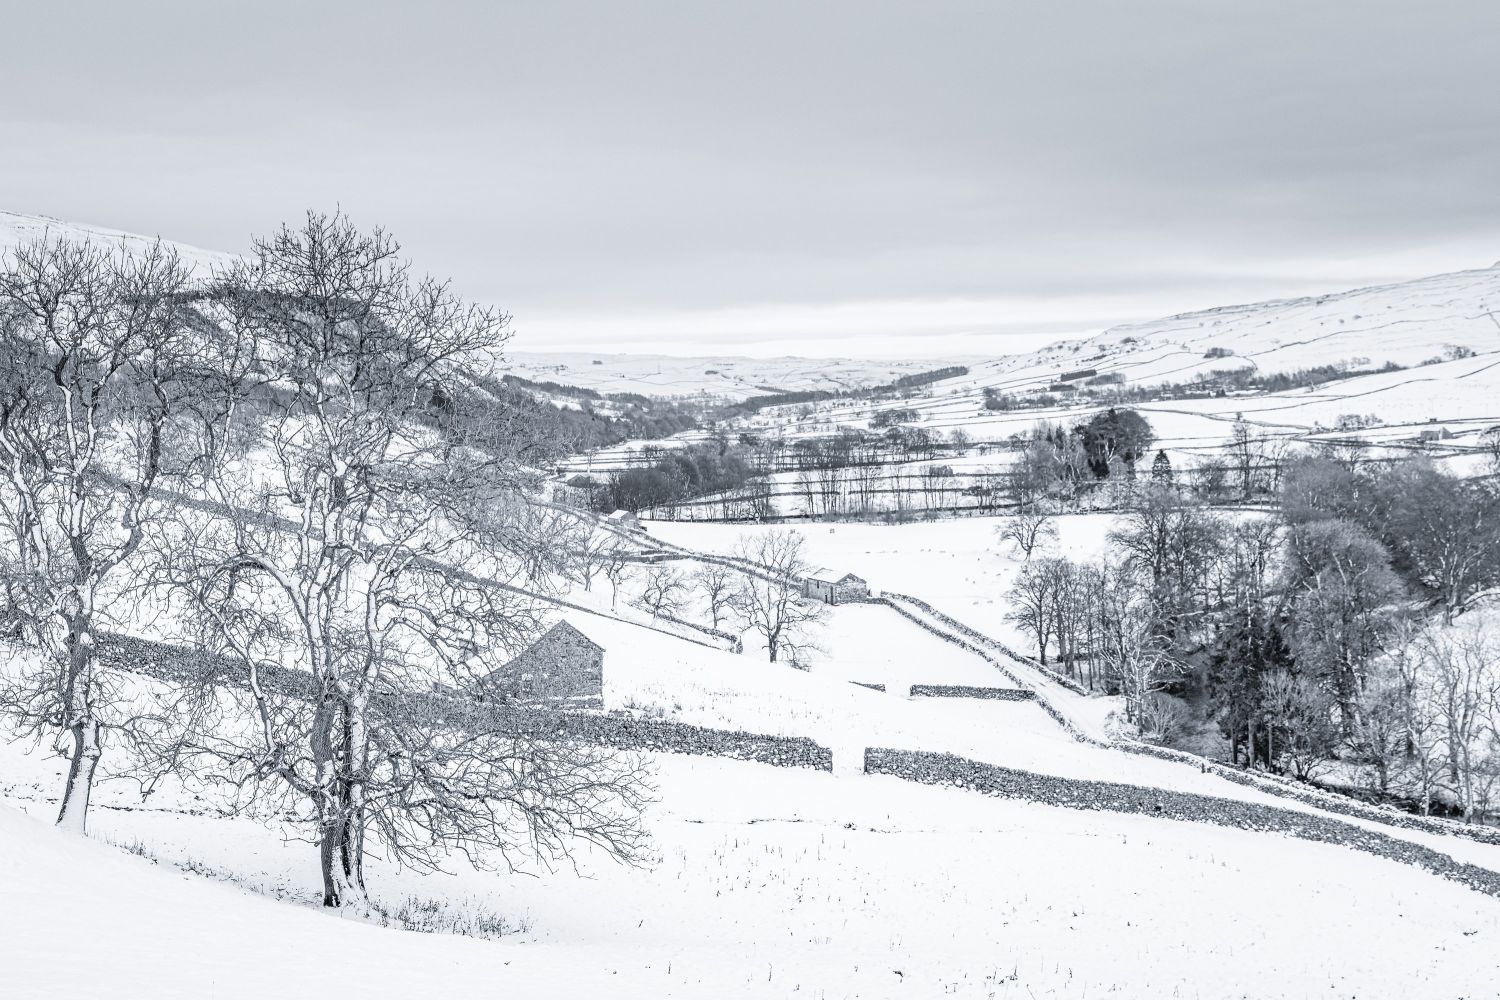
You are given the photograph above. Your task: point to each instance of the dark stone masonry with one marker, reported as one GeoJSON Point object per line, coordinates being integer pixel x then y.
{"type": "Point", "coordinates": [965, 691]}
{"type": "Point", "coordinates": [563, 669]}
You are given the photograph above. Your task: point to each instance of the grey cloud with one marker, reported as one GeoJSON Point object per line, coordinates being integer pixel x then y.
{"type": "Point", "coordinates": [630, 159]}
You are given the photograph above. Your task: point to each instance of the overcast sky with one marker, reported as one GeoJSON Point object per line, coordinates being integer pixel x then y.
{"type": "Point", "coordinates": [921, 178]}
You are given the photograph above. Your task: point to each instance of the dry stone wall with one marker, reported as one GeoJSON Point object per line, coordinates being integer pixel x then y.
{"type": "Point", "coordinates": [1074, 793]}
{"type": "Point", "coordinates": [1328, 801]}
{"type": "Point", "coordinates": [176, 664]}
{"type": "Point", "coordinates": [988, 642]}
{"type": "Point", "coordinates": [965, 691]}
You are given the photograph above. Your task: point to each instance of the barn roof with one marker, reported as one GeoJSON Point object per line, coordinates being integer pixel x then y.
{"type": "Point", "coordinates": [564, 630]}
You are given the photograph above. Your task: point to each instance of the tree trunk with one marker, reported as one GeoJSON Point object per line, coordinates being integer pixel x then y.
{"type": "Point", "coordinates": [341, 890]}
{"type": "Point", "coordinates": [328, 741]}
{"type": "Point", "coordinates": [82, 721]}
{"type": "Point", "coordinates": [356, 763]}
{"type": "Point", "coordinates": [87, 748]}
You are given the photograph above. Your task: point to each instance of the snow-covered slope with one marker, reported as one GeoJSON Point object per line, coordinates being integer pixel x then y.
{"type": "Point", "coordinates": [1406, 323]}
{"type": "Point", "coordinates": [768, 883]}
{"type": "Point", "coordinates": [16, 229]}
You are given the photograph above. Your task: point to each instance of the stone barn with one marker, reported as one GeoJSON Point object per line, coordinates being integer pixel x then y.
{"type": "Point", "coordinates": [847, 589]}
{"type": "Point", "coordinates": [625, 519]}
{"type": "Point", "coordinates": [562, 669]}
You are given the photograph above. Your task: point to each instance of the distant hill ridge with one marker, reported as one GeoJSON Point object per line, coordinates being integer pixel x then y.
{"type": "Point", "coordinates": [1405, 322]}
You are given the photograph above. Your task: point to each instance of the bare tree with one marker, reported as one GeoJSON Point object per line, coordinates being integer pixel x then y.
{"type": "Point", "coordinates": [1172, 545]}
{"type": "Point", "coordinates": [336, 551]}
{"type": "Point", "coordinates": [936, 480]}
{"type": "Point", "coordinates": [807, 486]}
{"type": "Point", "coordinates": [1340, 587]}
{"type": "Point", "coordinates": [716, 582]}
{"type": "Point", "coordinates": [1032, 605]}
{"type": "Point", "coordinates": [1130, 646]}
{"type": "Point", "coordinates": [1297, 708]}
{"type": "Point", "coordinates": [1490, 442]}
{"type": "Point", "coordinates": [615, 565]}
{"type": "Point", "coordinates": [663, 592]}
{"type": "Point", "coordinates": [1447, 528]}
{"type": "Point", "coordinates": [590, 547]}
{"type": "Point", "coordinates": [1465, 692]}
{"type": "Point", "coordinates": [1028, 528]}
{"type": "Point", "coordinates": [1380, 736]}
{"type": "Point", "coordinates": [771, 604]}
{"type": "Point", "coordinates": [1245, 455]}
{"type": "Point", "coordinates": [97, 380]}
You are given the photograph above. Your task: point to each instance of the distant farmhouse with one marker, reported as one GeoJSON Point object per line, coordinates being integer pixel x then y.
{"type": "Point", "coordinates": [625, 519]}
{"type": "Point", "coordinates": [562, 669]}
{"type": "Point", "coordinates": [847, 589]}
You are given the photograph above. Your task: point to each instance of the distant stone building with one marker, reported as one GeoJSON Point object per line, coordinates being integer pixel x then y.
{"type": "Point", "coordinates": [625, 519]}
{"type": "Point", "coordinates": [562, 669]}
{"type": "Point", "coordinates": [847, 589]}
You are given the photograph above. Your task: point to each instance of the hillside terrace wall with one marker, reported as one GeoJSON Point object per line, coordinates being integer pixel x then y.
{"type": "Point", "coordinates": [178, 664]}
{"type": "Point", "coordinates": [1270, 784]}
{"type": "Point", "coordinates": [731, 642]}
{"type": "Point", "coordinates": [1327, 801]}
{"type": "Point", "coordinates": [1074, 793]}
{"type": "Point", "coordinates": [966, 691]}
{"type": "Point", "coordinates": [989, 642]}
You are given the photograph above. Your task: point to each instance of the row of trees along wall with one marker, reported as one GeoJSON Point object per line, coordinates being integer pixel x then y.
{"type": "Point", "coordinates": [1094, 463]}
{"type": "Point", "coordinates": [1337, 628]}
{"type": "Point", "coordinates": [330, 406]}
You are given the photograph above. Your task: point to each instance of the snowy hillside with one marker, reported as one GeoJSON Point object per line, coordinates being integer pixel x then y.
{"type": "Point", "coordinates": [725, 377]}
{"type": "Point", "coordinates": [1405, 323]}
{"type": "Point", "coordinates": [16, 229]}
{"type": "Point", "coordinates": [770, 884]}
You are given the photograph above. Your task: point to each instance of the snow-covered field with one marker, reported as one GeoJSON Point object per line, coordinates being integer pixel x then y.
{"type": "Point", "coordinates": [958, 565]}
{"type": "Point", "coordinates": [767, 883]}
